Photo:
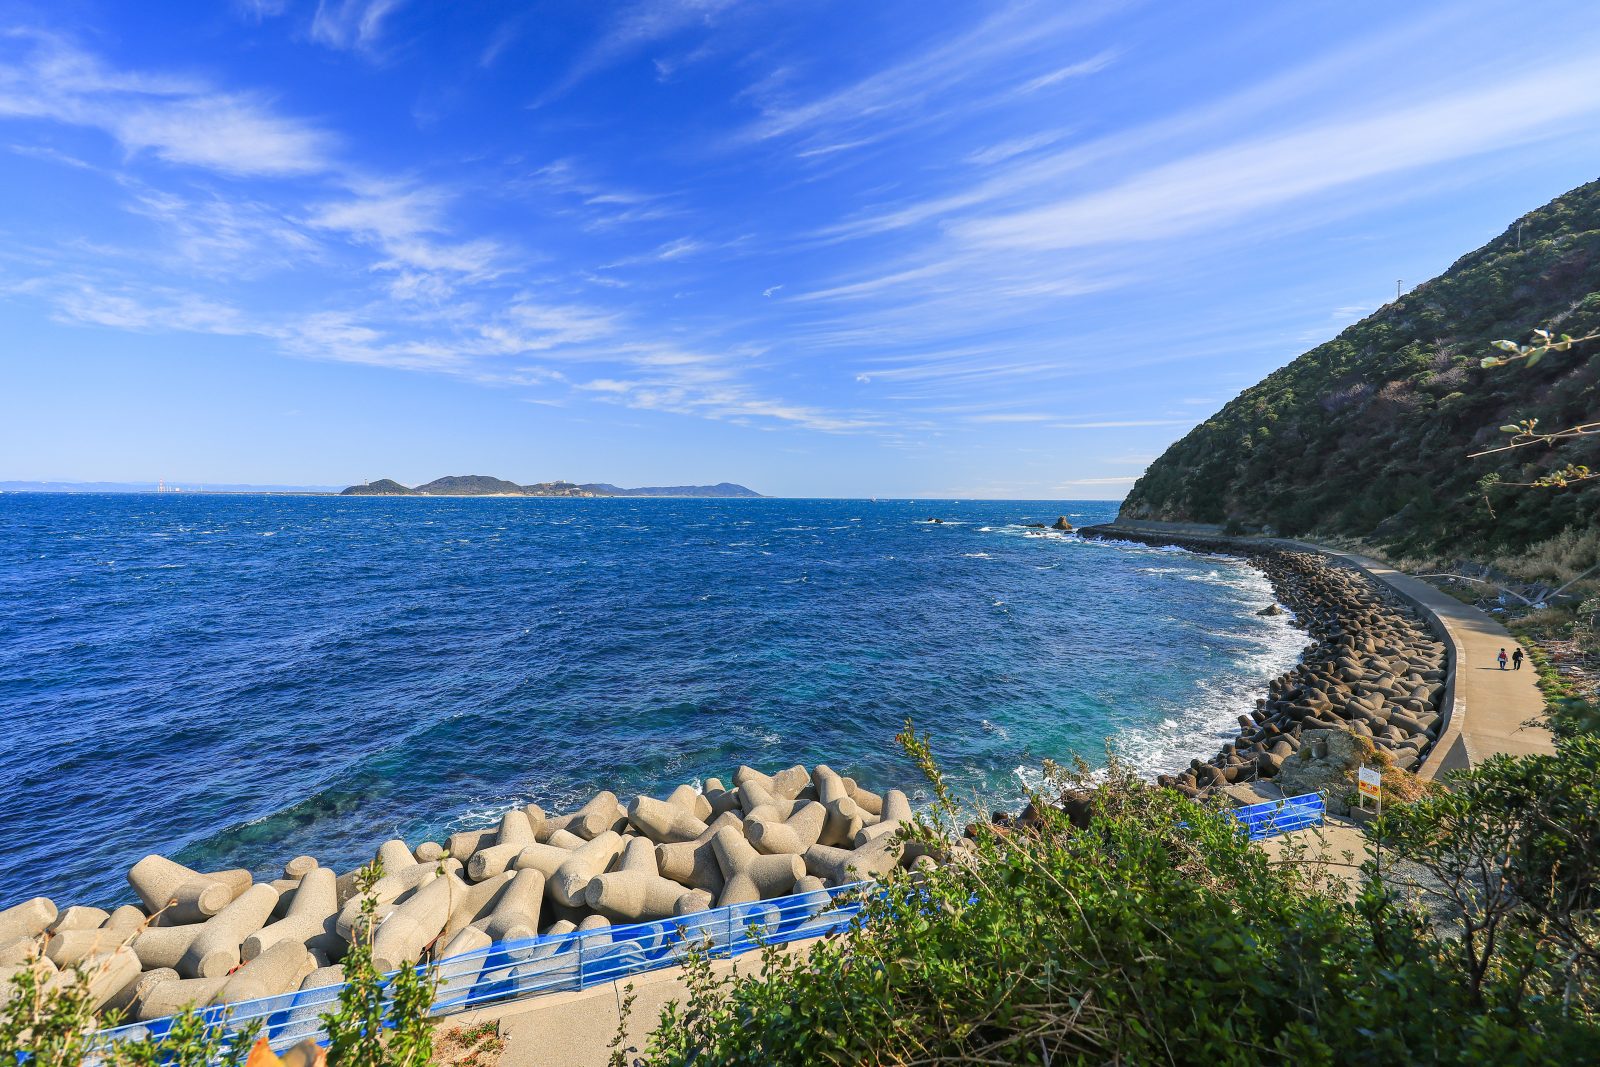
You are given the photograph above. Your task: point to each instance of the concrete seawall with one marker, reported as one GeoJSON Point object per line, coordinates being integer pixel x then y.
{"type": "Point", "coordinates": [1484, 711]}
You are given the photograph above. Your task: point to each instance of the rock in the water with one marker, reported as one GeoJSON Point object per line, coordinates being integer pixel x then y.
{"type": "Point", "coordinates": [1061, 524]}
{"type": "Point", "coordinates": [1270, 609]}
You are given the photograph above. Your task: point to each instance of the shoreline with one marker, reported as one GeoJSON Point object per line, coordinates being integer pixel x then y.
{"type": "Point", "coordinates": [222, 937]}
{"type": "Point", "coordinates": [1374, 666]}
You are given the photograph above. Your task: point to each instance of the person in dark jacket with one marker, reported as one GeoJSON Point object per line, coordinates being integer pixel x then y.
{"type": "Point", "coordinates": [1516, 660]}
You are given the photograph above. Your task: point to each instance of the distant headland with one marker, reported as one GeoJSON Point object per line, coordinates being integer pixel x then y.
{"type": "Point", "coordinates": [483, 485]}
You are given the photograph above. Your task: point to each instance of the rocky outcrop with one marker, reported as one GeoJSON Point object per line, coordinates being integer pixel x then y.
{"type": "Point", "coordinates": [1062, 524]}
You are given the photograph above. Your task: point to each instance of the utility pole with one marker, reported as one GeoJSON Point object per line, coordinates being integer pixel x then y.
{"type": "Point", "coordinates": [1519, 235]}
{"type": "Point", "coordinates": [1399, 288]}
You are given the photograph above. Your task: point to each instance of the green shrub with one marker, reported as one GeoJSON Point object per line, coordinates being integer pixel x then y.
{"type": "Point", "coordinates": [1152, 934]}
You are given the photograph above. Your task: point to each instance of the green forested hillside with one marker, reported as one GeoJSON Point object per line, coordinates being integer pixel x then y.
{"type": "Point", "coordinates": [1368, 435]}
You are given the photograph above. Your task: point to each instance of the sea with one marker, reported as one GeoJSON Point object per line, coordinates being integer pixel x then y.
{"type": "Point", "coordinates": [233, 680]}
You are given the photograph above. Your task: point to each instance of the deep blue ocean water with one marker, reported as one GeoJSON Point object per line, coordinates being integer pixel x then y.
{"type": "Point", "coordinates": [233, 680]}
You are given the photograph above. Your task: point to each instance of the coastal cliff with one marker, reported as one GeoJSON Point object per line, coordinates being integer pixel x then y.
{"type": "Point", "coordinates": [1368, 435]}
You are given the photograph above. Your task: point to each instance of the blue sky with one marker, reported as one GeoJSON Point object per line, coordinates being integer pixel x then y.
{"type": "Point", "coordinates": [890, 248]}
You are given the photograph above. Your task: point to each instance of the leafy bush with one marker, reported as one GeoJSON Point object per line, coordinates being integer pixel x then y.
{"type": "Point", "coordinates": [1151, 932]}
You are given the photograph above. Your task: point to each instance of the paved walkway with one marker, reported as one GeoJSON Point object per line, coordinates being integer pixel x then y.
{"type": "Point", "coordinates": [1490, 706]}
{"type": "Point", "coordinates": [576, 1029]}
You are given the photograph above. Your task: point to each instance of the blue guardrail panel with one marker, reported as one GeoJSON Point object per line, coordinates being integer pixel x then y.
{"type": "Point", "coordinates": [519, 970]}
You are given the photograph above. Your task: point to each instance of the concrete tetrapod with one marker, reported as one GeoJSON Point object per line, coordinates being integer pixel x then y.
{"type": "Point", "coordinates": [128, 917]}
{"type": "Point", "coordinates": [514, 835]}
{"type": "Point", "coordinates": [869, 802]}
{"type": "Point", "coordinates": [792, 836]}
{"type": "Point", "coordinates": [664, 822]}
{"type": "Point", "coordinates": [690, 800]}
{"type": "Point", "coordinates": [413, 924]}
{"type": "Point", "coordinates": [600, 815]}
{"type": "Point", "coordinates": [564, 839]}
{"type": "Point", "coordinates": [516, 914]}
{"type": "Point", "coordinates": [163, 946]}
{"type": "Point", "coordinates": [280, 969]}
{"type": "Point", "coordinates": [475, 903]}
{"type": "Point", "coordinates": [160, 999]}
{"type": "Point", "coordinates": [299, 867]}
{"type": "Point", "coordinates": [310, 921]}
{"type": "Point", "coordinates": [215, 951]}
{"type": "Point", "coordinates": [771, 876]}
{"type": "Point", "coordinates": [28, 919]}
{"type": "Point", "coordinates": [103, 976]}
{"type": "Point", "coordinates": [837, 866]}
{"type": "Point", "coordinates": [42, 968]}
{"type": "Point", "coordinates": [592, 859]}
{"type": "Point", "coordinates": [635, 892]}
{"type": "Point", "coordinates": [757, 801]}
{"type": "Point", "coordinates": [469, 939]}
{"type": "Point", "coordinates": [789, 782]}
{"type": "Point", "coordinates": [180, 894]}
{"type": "Point", "coordinates": [386, 891]}
{"type": "Point", "coordinates": [393, 855]}
{"type": "Point", "coordinates": [536, 818]}
{"type": "Point", "coordinates": [844, 817]}
{"type": "Point", "coordinates": [17, 953]}
{"type": "Point", "coordinates": [463, 843]}
{"type": "Point", "coordinates": [457, 975]}
{"type": "Point", "coordinates": [546, 859]}
{"type": "Point", "coordinates": [79, 917]}
{"type": "Point", "coordinates": [127, 1001]}
{"type": "Point", "coordinates": [71, 947]}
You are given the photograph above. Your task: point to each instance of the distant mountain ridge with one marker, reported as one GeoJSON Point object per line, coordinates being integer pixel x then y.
{"type": "Point", "coordinates": [484, 485]}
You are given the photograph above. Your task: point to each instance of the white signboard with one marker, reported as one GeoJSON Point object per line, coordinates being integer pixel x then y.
{"type": "Point", "coordinates": [1369, 783]}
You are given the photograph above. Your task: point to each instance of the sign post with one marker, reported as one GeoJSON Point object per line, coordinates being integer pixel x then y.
{"type": "Point", "coordinates": [1369, 784]}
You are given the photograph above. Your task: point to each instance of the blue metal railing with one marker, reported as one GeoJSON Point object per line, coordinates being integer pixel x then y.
{"type": "Point", "coordinates": [513, 970]}
{"type": "Point", "coordinates": [1274, 817]}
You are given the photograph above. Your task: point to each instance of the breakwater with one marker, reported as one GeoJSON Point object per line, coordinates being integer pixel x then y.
{"type": "Point", "coordinates": [203, 938]}
{"type": "Point", "coordinates": [1373, 669]}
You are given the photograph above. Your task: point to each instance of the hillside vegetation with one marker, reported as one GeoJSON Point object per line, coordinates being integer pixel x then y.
{"type": "Point", "coordinates": [1368, 435]}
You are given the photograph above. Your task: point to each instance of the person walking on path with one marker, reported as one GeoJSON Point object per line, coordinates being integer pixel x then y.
{"type": "Point", "coordinates": [1502, 658]}
{"type": "Point", "coordinates": [1516, 660]}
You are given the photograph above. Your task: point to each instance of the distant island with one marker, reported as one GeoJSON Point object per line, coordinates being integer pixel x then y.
{"type": "Point", "coordinates": [483, 485]}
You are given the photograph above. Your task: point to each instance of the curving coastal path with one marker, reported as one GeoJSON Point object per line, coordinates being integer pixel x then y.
{"type": "Point", "coordinates": [1491, 709]}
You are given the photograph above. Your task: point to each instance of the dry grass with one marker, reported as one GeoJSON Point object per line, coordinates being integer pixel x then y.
{"type": "Point", "coordinates": [469, 1046]}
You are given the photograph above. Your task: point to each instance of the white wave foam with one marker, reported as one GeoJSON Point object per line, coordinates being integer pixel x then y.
{"type": "Point", "coordinates": [1201, 721]}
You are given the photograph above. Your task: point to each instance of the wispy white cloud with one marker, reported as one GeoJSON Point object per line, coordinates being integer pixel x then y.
{"type": "Point", "coordinates": [1083, 68]}
{"type": "Point", "coordinates": [178, 120]}
{"type": "Point", "coordinates": [1015, 32]}
{"type": "Point", "coordinates": [405, 222]}
{"type": "Point", "coordinates": [351, 24]}
{"type": "Point", "coordinates": [999, 153]}
{"type": "Point", "coordinates": [632, 29]}
{"type": "Point", "coordinates": [1214, 188]}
